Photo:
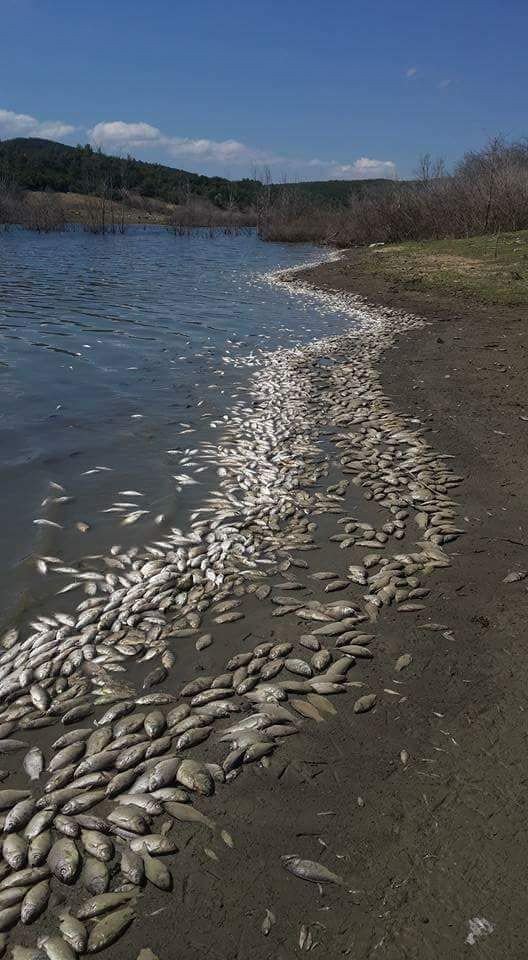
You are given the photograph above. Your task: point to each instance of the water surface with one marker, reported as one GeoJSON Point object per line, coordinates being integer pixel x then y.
{"type": "Point", "coordinates": [115, 350]}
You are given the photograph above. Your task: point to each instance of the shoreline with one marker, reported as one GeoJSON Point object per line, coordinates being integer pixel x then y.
{"type": "Point", "coordinates": [333, 447]}
{"type": "Point", "coordinates": [453, 851]}
{"type": "Point", "coordinates": [289, 468]}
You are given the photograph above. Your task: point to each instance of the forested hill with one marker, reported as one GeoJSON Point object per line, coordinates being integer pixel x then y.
{"type": "Point", "coordinates": [36, 164]}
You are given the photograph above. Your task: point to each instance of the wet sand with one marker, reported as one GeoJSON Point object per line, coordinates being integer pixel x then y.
{"type": "Point", "coordinates": [427, 841]}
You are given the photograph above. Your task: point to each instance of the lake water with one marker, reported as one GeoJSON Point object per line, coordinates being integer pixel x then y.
{"type": "Point", "coordinates": [115, 350]}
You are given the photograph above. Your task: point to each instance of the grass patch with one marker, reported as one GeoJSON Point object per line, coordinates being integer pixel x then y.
{"type": "Point", "coordinates": [490, 269]}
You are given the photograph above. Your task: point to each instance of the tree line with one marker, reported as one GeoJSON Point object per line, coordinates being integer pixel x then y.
{"type": "Point", "coordinates": [485, 193]}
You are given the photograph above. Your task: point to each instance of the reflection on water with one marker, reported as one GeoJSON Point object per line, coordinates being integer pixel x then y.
{"type": "Point", "coordinates": [122, 353]}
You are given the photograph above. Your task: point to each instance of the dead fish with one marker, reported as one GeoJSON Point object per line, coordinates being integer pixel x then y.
{"type": "Point", "coordinates": [35, 901]}
{"type": "Point", "coordinates": [83, 802]}
{"type": "Point", "coordinates": [97, 845]}
{"type": "Point", "coordinates": [158, 675]}
{"type": "Point", "coordinates": [154, 843]}
{"type": "Point", "coordinates": [195, 776]}
{"type": "Point", "coordinates": [103, 903]}
{"type": "Point", "coordinates": [365, 703]}
{"type": "Point", "coordinates": [133, 517]}
{"type": "Point", "coordinates": [321, 660]}
{"type": "Point", "coordinates": [154, 723]}
{"type": "Point", "coordinates": [229, 617]}
{"type": "Point", "coordinates": [402, 662]}
{"type": "Point", "coordinates": [129, 817]}
{"type": "Point", "coordinates": [8, 798]}
{"type": "Point", "coordinates": [309, 870]}
{"type": "Point", "coordinates": [12, 746]}
{"type": "Point", "coordinates": [56, 948]}
{"type": "Point", "coordinates": [8, 898]}
{"type": "Point", "coordinates": [14, 851]}
{"type": "Point", "coordinates": [63, 860]}
{"type": "Point", "coordinates": [156, 872]}
{"type": "Point", "coordinates": [268, 922]}
{"type": "Point", "coordinates": [188, 814]}
{"type": "Point", "coordinates": [74, 932]}
{"type": "Point", "coordinates": [263, 591]}
{"type": "Point", "coordinates": [39, 697]}
{"type": "Point", "coordinates": [356, 650]}
{"type": "Point", "coordinates": [33, 763]}
{"type": "Point", "coordinates": [25, 953]}
{"type": "Point", "coordinates": [95, 876]}
{"type": "Point", "coordinates": [299, 667]}
{"type": "Point", "coordinates": [334, 585]}
{"type": "Point", "coordinates": [191, 738]}
{"type": "Point", "coordinates": [149, 699]}
{"type": "Point", "coordinates": [515, 576]}
{"type": "Point", "coordinates": [132, 866]}
{"type": "Point", "coordinates": [19, 815]}
{"type": "Point", "coordinates": [25, 878]}
{"type": "Point", "coordinates": [227, 838]}
{"type": "Point", "coordinates": [204, 641]}
{"type": "Point", "coordinates": [307, 710]}
{"type": "Point", "coordinates": [39, 822]}
{"type": "Point", "coordinates": [109, 929]}
{"type": "Point", "coordinates": [9, 916]}
{"type": "Point", "coordinates": [39, 848]}
{"type": "Point", "coordinates": [321, 703]}
{"type": "Point", "coordinates": [256, 751]}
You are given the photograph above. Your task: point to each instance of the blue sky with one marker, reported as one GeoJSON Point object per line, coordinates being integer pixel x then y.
{"type": "Point", "coordinates": [310, 89]}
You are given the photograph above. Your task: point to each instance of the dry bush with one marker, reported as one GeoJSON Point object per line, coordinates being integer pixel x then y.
{"type": "Point", "coordinates": [486, 193]}
{"type": "Point", "coordinates": [42, 212]}
{"type": "Point", "coordinates": [197, 212]}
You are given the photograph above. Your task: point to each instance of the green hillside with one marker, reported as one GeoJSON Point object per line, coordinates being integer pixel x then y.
{"type": "Point", "coordinates": [36, 164]}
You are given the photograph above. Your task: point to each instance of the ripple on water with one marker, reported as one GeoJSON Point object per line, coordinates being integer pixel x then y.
{"type": "Point", "coordinates": [114, 350]}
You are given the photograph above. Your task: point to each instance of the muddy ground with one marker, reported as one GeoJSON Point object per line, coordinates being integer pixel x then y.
{"type": "Point", "coordinates": [426, 847]}
{"type": "Point", "coordinates": [439, 842]}
{"type": "Point", "coordinates": [443, 840]}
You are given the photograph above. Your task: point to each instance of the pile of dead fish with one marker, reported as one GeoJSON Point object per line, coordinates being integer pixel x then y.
{"type": "Point", "coordinates": [101, 803]}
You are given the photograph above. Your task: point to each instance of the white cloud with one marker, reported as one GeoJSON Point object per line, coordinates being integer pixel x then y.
{"type": "Point", "coordinates": [120, 137]}
{"type": "Point", "coordinates": [22, 125]}
{"type": "Point", "coordinates": [411, 72]}
{"type": "Point", "coordinates": [361, 169]}
{"type": "Point", "coordinates": [445, 84]}
{"type": "Point", "coordinates": [227, 157]}
{"type": "Point", "coordinates": [117, 134]}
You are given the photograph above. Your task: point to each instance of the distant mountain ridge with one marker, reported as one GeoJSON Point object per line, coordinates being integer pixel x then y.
{"type": "Point", "coordinates": [37, 164]}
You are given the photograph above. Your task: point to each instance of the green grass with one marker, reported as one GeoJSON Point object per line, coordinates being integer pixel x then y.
{"type": "Point", "coordinates": [489, 269]}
